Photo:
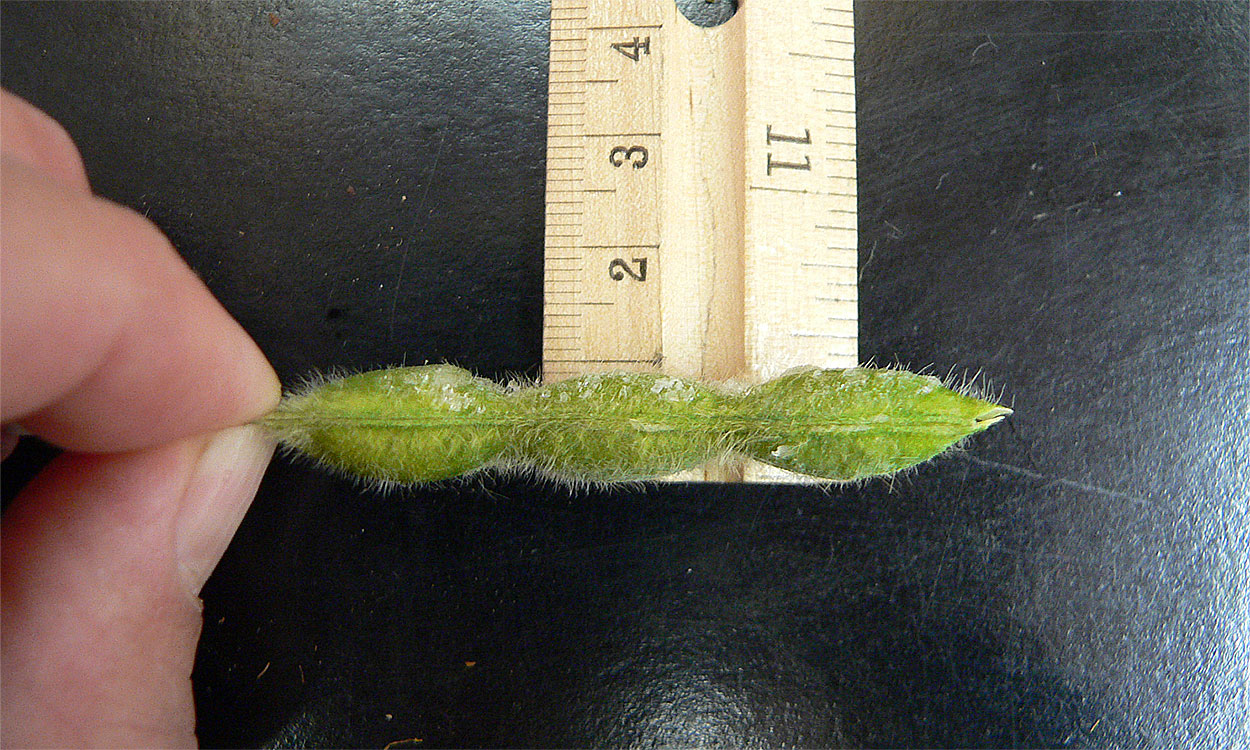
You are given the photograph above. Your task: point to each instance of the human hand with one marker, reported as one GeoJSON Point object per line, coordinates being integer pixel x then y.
{"type": "Point", "coordinates": [114, 350]}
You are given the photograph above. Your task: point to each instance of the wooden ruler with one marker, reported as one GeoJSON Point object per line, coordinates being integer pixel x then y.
{"type": "Point", "coordinates": [701, 196]}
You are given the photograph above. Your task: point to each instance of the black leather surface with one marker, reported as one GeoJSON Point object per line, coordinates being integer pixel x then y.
{"type": "Point", "coordinates": [1053, 194]}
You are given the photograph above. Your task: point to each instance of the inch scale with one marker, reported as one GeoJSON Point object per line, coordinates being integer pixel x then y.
{"type": "Point", "coordinates": [701, 193]}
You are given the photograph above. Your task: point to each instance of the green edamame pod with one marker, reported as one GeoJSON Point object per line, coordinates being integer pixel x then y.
{"type": "Point", "coordinates": [402, 425]}
{"type": "Point", "coordinates": [421, 424]}
{"type": "Point", "coordinates": [850, 424]}
{"type": "Point", "coordinates": [620, 426]}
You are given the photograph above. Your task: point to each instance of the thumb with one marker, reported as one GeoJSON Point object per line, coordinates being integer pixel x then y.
{"type": "Point", "coordinates": [101, 562]}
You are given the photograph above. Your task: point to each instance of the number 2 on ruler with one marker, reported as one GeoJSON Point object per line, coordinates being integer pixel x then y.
{"type": "Point", "coordinates": [618, 269]}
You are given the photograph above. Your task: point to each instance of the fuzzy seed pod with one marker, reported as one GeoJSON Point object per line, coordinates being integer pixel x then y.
{"type": "Point", "coordinates": [851, 424]}
{"type": "Point", "coordinates": [402, 425]}
{"type": "Point", "coordinates": [421, 424]}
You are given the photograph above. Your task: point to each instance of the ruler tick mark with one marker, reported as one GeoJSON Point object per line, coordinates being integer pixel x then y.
{"type": "Point", "coordinates": [817, 335]}
{"type": "Point", "coordinates": [815, 56]}
{"type": "Point", "coordinates": [607, 361]}
{"type": "Point", "coordinates": [619, 28]}
{"type": "Point", "coordinates": [800, 191]}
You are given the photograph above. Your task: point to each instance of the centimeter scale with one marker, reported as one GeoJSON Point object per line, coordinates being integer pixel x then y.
{"type": "Point", "coordinates": [701, 196]}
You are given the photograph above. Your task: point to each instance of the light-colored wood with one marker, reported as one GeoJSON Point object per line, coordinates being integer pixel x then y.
{"type": "Point", "coordinates": [701, 192]}
{"type": "Point", "coordinates": [602, 264]}
{"type": "Point", "coordinates": [800, 226]}
{"type": "Point", "coordinates": [701, 214]}
{"type": "Point", "coordinates": [800, 232]}
{"type": "Point", "coordinates": [564, 317]}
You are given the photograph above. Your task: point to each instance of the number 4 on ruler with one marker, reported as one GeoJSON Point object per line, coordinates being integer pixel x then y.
{"type": "Point", "coordinates": [633, 49]}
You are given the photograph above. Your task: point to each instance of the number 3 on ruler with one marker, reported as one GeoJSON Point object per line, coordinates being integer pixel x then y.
{"type": "Point", "coordinates": [618, 269]}
{"type": "Point", "coordinates": [635, 155]}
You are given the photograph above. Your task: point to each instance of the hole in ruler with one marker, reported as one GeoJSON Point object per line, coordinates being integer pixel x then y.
{"type": "Point", "coordinates": [708, 13]}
